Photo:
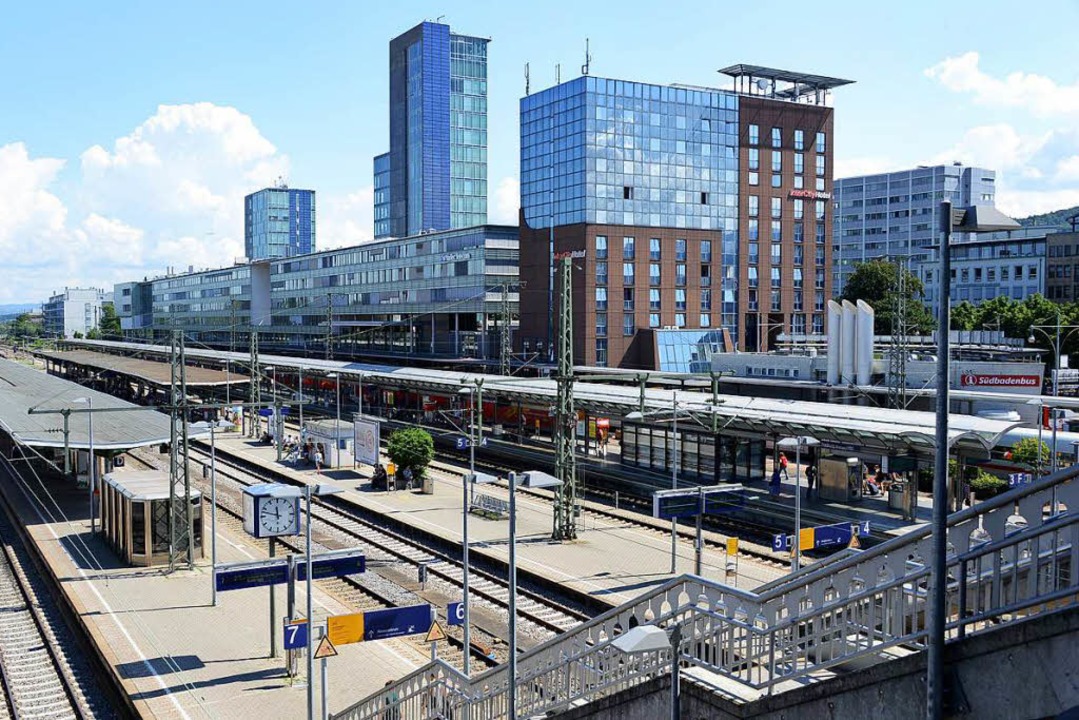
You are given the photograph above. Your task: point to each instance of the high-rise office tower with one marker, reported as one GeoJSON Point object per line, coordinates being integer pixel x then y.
{"type": "Point", "coordinates": [698, 218]}
{"type": "Point", "coordinates": [279, 222]}
{"type": "Point", "coordinates": [435, 175]}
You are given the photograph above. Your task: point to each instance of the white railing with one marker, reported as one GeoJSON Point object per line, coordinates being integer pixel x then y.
{"type": "Point", "coordinates": [1010, 558]}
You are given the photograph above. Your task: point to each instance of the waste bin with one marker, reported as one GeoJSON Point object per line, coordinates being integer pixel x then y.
{"type": "Point", "coordinates": [897, 496]}
{"type": "Point", "coordinates": [428, 485]}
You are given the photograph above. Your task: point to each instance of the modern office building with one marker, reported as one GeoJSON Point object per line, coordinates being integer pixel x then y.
{"type": "Point", "coordinates": [664, 196]}
{"type": "Point", "coordinates": [897, 214]}
{"type": "Point", "coordinates": [1009, 264]}
{"type": "Point", "coordinates": [437, 295]}
{"type": "Point", "coordinates": [279, 222]}
{"type": "Point", "coordinates": [134, 306]}
{"type": "Point", "coordinates": [1062, 264]}
{"type": "Point", "coordinates": [75, 310]}
{"type": "Point", "coordinates": [434, 176]}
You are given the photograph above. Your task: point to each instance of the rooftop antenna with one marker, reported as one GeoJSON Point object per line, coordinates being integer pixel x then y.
{"type": "Point", "coordinates": [558, 74]}
{"type": "Point", "coordinates": [527, 80]}
{"type": "Point", "coordinates": [587, 58]}
{"type": "Point", "coordinates": [439, 18]}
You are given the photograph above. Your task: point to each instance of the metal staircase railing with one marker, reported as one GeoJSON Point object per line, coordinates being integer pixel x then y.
{"type": "Point", "coordinates": [1010, 558]}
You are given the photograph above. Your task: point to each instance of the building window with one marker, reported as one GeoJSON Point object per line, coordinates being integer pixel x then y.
{"type": "Point", "coordinates": [776, 278]}
{"type": "Point", "coordinates": [680, 299]}
{"type": "Point", "coordinates": [706, 320]}
{"type": "Point", "coordinates": [706, 251]}
{"type": "Point", "coordinates": [799, 209]}
{"type": "Point", "coordinates": [820, 166]}
{"type": "Point", "coordinates": [818, 301]}
{"type": "Point", "coordinates": [819, 278]}
{"type": "Point", "coordinates": [799, 232]}
{"type": "Point", "coordinates": [798, 278]}
{"type": "Point", "coordinates": [799, 182]}
{"type": "Point", "coordinates": [601, 273]}
{"type": "Point", "coordinates": [628, 327]}
{"type": "Point", "coordinates": [601, 247]}
{"type": "Point", "coordinates": [991, 274]}
{"type": "Point", "coordinates": [798, 300]}
{"type": "Point", "coordinates": [680, 250]}
{"type": "Point", "coordinates": [754, 229]}
{"type": "Point", "coordinates": [706, 275]}
{"type": "Point", "coordinates": [777, 230]}
{"type": "Point", "coordinates": [754, 159]}
{"type": "Point", "coordinates": [820, 234]}
{"type": "Point", "coordinates": [680, 320]}
{"type": "Point", "coordinates": [627, 192]}
{"type": "Point", "coordinates": [653, 320]}
{"type": "Point", "coordinates": [754, 205]}
{"type": "Point", "coordinates": [754, 178]}
{"type": "Point", "coordinates": [1003, 274]}
{"type": "Point", "coordinates": [777, 137]}
{"type": "Point", "coordinates": [627, 299]}
{"type": "Point", "coordinates": [777, 180]}
{"type": "Point", "coordinates": [601, 352]}
{"type": "Point", "coordinates": [977, 274]}
{"type": "Point", "coordinates": [601, 298]}
{"type": "Point", "coordinates": [653, 300]}
{"type": "Point", "coordinates": [754, 253]}
{"type": "Point", "coordinates": [627, 273]}
{"type": "Point", "coordinates": [628, 248]}
{"type": "Point", "coordinates": [754, 135]}
{"type": "Point", "coordinates": [753, 302]}
{"type": "Point", "coordinates": [704, 195]}
{"type": "Point", "coordinates": [820, 142]}
{"type": "Point", "coordinates": [799, 140]}
{"type": "Point", "coordinates": [654, 251]}
{"type": "Point", "coordinates": [752, 277]}
{"type": "Point", "coordinates": [706, 299]}
{"type": "Point", "coordinates": [820, 210]}
{"type": "Point", "coordinates": [680, 274]}
{"type": "Point", "coordinates": [777, 161]}
{"type": "Point", "coordinates": [601, 324]}
{"type": "Point", "coordinates": [819, 184]}
{"type": "Point", "coordinates": [799, 163]}
{"type": "Point", "coordinates": [777, 207]}
{"type": "Point", "coordinates": [1032, 272]}
{"type": "Point", "coordinates": [653, 274]}
{"type": "Point", "coordinates": [776, 306]}
{"type": "Point", "coordinates": [799, 255]}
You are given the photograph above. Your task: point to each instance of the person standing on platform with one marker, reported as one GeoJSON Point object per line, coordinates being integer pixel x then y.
{"type": "Point", "coordinates": [773, 486]}
{"type": "Point", "coordinates": [811, 480]}
{"type": "Point", "coordinates": [783, 466]}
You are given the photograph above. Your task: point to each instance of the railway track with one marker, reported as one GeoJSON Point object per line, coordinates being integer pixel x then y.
{"type": "Point", "coordinates": [44, 673]}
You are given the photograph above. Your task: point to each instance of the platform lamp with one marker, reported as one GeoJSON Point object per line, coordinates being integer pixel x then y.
{"type": "Point", "coordinates": [973, 219]}
{"type": "Point", "coordinates": [89, 401]}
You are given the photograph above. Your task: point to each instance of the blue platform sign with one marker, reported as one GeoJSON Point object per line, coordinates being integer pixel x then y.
{"type": "Point", "coordinates": [295, 635]}
{"type": "Point", "coordinates": [332, 567]}
{"type": "Point", "coordinates": [463, 442]}
{"type": "Point", "coordinates": [1017, 479]}
{"type": "Point", "coordinates": [824, 536]}
{"type": "Point", "coordinates": [251, 575]}
{"type": "Point", "coordinates": [455, 613]}
{"type": "Point", "coordinates": [690, 502]}
{"type": "Point", "coordinates": [396, 622]}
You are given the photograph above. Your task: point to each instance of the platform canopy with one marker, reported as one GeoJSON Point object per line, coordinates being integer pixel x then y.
{"type": "Point", "coordinates": [151, 372]}
{"type": "Point", "coordinates": [870, 428]}
{"type": "Point", "coordinates": [23, 387]}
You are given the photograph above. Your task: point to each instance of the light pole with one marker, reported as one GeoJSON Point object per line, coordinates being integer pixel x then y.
{"type": "Point", "coordinates": [318, 491]}
{"type": "Point", "coordinates": [337, 425]}
{"type": "Point", "coordinates": [1056, 339]}
{"type": "Point", "coordinates": [93, 465]}
{"type": "Point", "coordinates": [674, 483]}
{"type": "Point", "coordinates": [797, 443]}
{"type": "Point", "coordinates": [978, 218]}
{"type": "Point", "coordinates": [228, 384]}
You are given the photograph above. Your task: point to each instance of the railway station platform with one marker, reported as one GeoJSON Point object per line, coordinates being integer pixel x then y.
{"type": "Point", "coordinates": [175, 655]}
{"type": "Point", "coordinates": [613, 559]}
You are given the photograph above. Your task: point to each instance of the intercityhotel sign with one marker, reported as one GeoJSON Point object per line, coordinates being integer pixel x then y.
{"type": "Point", "coordinates": [1000, 381]}
{"type": "Point", "coordinates": [809, 195]}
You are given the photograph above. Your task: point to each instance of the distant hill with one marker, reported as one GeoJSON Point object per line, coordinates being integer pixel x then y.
{"type": "Point", "coordinates": [1057, 218]}
{"type": "Point", "coordinates": [12, 310]}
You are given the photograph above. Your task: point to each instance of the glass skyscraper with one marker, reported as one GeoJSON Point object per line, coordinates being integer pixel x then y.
{"type": "Point", "coordinates": [435, 175]}
{"type": "Point", "coordinates": [279, 222]}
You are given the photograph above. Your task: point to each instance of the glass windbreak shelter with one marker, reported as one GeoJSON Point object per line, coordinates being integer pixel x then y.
{"type": "Point", "coordinates": [702, 456]}
{"type": "Point", "coordinates": [135, 516]}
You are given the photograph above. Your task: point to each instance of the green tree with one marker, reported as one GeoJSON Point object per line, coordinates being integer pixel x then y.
{"type": "Point", "coordinates": [109, 325]}
{"type": "Point", "coordinates": [411, 448]}
{"type": "Point", "coordinates": [93, 334]}
{"type": "Point", "coordinates": [1026, 452]}
{"type": "Point", "coordinates": [23, 326]}
{"type": "Point", "coordinates": [965, 316]}
{"type": "Point", "coordinates": [876, 282]}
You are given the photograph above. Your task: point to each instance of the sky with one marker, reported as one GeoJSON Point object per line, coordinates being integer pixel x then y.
{"type": "Point", "coordinates": [130, 131]}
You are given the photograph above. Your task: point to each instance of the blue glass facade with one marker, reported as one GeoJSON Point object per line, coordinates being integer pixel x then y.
{"type": "Point", "coordinates": [627, 153]}
{"type": "Point", "coordinates": [382, 195]}
{"type": "Point", "coordinates": [279, 222]}
{"type": "Point", "coordinates": [437, 163]}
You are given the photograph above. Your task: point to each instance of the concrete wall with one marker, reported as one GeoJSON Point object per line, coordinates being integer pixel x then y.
{"type": "Point", "coordinates": [1026, 670]}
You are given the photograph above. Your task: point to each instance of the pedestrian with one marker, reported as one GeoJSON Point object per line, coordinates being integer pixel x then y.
{"type": "Point", "coordinates": [811, 480]}
{"type": "Point", "coordinates": [393, 709]}
{"type": "Point", "coordinates": [407, 475]}
{"type": "Point", "coordinates": [783, 466]}
{"type": "Point", "coordinates": [773, 486]}
{"type": "Point", "coordinates": [318, 459]}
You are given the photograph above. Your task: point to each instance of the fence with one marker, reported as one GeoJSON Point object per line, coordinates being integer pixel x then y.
{"type": "Point", "coordinates": [1010, 558]}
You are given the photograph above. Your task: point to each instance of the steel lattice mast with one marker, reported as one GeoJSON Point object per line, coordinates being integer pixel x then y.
{"type": "Point", "coordinates": [897, 356]}
{"type": "Point", "coordinates": [255, 386]}
{"type": "Point", "coordinates": [181, 539]}
{"type": "Point", "coordinates": [505, 333]}
{"type": "Point", "coordinates": [565, 518]}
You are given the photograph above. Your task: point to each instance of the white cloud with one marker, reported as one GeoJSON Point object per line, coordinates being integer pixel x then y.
{"type": "Point", "coordinates": [27, 205]}
{"type": "Point", "coordinates": [1041, 96]}
{"type": "Point", "coordinates": [345, 220]}
{"type": "Point", "coordinates": [507, 202]}
{"type": "Point", "coordinates": [111, 239]}
{"type": "Point", "coordinates": [999, 147]}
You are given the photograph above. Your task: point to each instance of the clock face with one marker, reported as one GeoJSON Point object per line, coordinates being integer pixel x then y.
{"type": "Point", "coordinates": [277, 516]}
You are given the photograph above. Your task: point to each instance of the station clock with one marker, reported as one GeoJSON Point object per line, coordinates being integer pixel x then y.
{"type": "Point", "coordinates": [271, 509]}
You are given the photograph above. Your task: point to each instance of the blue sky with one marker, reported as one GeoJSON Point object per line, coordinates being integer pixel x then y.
{"type": "Point", "coordinates": [106, 184]}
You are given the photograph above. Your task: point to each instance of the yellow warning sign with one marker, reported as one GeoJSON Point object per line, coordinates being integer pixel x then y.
{"type": "Point", "coordinates": [436, 633]}
{"type": "Point", "coordinates": [807, 538]}
{"type": "Point", "coordinates": [345, 629]}
{"type": "Point", "coordinates": [854, 543]}
{"type": "Point", "coordinates": [325, 649]}
{"type": "Point", "coordinates": [732, 546]}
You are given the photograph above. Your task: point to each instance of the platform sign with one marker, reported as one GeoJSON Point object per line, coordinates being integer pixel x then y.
{"type": "Point", "coordinates": [345, 629]}
{"type": "Point", "coordinates": [676, 506]}
{"type": "Point", "coordinates": [455, 613]}
{"type": "Point", "coordinates": [1017, 479]}
{"type": "Point", "coordinates": [689, 502]}
{"type": "Point", "coordinates": [396, 622]}
{"type": "Point", "coordinates": [349, 562]}
{"type": "Point", "coordinates": [240, 576]}
{"type": "Point", "coordinates": [295, 634]}
{"type": "Point", "coordinates": [325, 649]}
{"type": "Point", "coordinates": [462, 442]}
{"type": "Point", "coordinates": [822, 537]}
{"type": "Point", "coordinates": [724, 501]}
{"type": "Point", "coordinates": [732, 546]}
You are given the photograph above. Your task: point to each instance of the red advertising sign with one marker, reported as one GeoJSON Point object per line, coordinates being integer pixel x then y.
{"type": "Point", "coordinates": [1000, 381]}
